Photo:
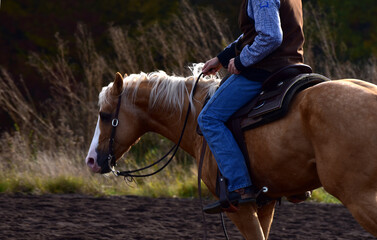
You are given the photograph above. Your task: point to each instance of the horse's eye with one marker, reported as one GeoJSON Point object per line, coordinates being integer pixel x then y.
{"type": "Point", "coordinates": [106, 117]}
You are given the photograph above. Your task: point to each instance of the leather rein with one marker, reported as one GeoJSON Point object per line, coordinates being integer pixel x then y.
{"type": "Point", "coordinates": [130, 175]}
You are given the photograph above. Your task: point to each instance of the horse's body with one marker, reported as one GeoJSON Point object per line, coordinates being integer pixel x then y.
{"type": "Point", "coordinates": [327, 139]}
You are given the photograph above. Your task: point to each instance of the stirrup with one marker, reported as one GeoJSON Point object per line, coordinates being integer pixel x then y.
{"type": "Point", "coordinates": [217, 207]}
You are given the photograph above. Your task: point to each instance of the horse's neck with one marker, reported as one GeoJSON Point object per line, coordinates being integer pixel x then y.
{"type": "Point", "coordinates": [169, 122]}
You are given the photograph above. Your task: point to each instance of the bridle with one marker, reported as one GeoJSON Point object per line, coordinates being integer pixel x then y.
{"type": "Point", "coordinates": [131, 174]}
{"type": "Point", "coordinates": [114, 123]}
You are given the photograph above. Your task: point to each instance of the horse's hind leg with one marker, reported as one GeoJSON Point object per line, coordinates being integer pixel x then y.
{"type": "Point", "coordinates": [364, 209]}
{"type": "Point", "coordinates": [246, 220]}
{"type": "Point", "coordinates": [354, 182]}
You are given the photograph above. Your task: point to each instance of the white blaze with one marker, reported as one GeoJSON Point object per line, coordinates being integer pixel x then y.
{"type": "Point", "coordinates": [92, 150]}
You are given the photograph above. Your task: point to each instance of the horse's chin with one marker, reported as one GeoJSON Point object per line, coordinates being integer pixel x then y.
{"type": "Point", "coordinates": [105, 171]}
{"type": "Point", "coordinates": [103, 163]}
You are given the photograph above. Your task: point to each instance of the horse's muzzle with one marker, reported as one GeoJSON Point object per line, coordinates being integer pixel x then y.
{"type": "Point", "coordinates": [92, 164]}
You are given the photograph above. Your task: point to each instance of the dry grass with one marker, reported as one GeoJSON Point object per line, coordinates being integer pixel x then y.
{"type": "Point", "coordinates": [45, 152]}
{"type": "Point", "coordinates": [47, 149]}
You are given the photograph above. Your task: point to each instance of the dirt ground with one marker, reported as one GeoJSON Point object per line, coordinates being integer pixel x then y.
{"type": "Point", "coordinates": [130, 217]}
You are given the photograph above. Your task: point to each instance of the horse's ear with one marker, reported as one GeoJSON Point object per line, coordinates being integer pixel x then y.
{"type": "Point", "coordinates": [125, 75]}
{"type": "Point", "coordinates": [117, 87]}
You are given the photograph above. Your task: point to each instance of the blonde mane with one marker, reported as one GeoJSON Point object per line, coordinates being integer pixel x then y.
{"type": "Point", "coordinates": [170, 91]}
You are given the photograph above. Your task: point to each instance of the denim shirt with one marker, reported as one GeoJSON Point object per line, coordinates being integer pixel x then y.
{"type": "Point", "coordinates": [265, 13]}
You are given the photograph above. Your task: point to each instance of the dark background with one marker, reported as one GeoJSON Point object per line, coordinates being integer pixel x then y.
{"type": "Point", "coordinates": [31, 26]}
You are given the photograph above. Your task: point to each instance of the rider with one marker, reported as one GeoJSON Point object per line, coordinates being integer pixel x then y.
{"type": "Point", "coordinates": [272, 38]}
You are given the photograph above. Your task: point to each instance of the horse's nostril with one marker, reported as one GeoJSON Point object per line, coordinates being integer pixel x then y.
{"type": "Point", "coordinates": [90, 162]}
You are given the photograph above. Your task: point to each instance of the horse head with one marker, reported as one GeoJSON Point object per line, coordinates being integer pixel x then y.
{"type": "Point", "coordinates": [117, 128]}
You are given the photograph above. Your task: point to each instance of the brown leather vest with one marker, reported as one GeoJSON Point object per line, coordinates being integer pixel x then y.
{"type": "Point", "coordinates": [291, 50]}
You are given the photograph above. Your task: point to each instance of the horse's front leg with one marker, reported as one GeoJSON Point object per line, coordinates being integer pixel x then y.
{"type": "Point", "coordinates": [266, 216]}
{"type": "Point", "coordinates": [247, 221]}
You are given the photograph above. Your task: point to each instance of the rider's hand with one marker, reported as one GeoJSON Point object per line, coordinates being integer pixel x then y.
{"type": "Point", "coordinates": [232, 67]}
{"type": "Point", "coordinates": [211, 66]}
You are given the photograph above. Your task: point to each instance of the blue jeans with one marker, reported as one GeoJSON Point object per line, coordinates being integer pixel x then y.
{"type": "Point", "coordinates": [234, 93]}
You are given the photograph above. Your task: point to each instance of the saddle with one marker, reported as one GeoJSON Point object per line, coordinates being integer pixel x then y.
{"type": "Point", "coordinates": [277, 94]}
{"type": "Point", "coordinates": [273, 103]}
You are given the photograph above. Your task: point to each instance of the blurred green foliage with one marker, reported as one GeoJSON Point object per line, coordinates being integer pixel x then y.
{"type": "Point", "coordinates": [354, 24]}
{"type": "Point", "coordinates": [320, 195]}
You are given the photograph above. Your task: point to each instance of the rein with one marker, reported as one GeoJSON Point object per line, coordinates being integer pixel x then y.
{"type": "Point", "coordinates": [131, 174]}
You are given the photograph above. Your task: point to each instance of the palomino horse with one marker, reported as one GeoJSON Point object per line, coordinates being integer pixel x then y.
{"type": "Point", "coordinates": [327, 139]}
